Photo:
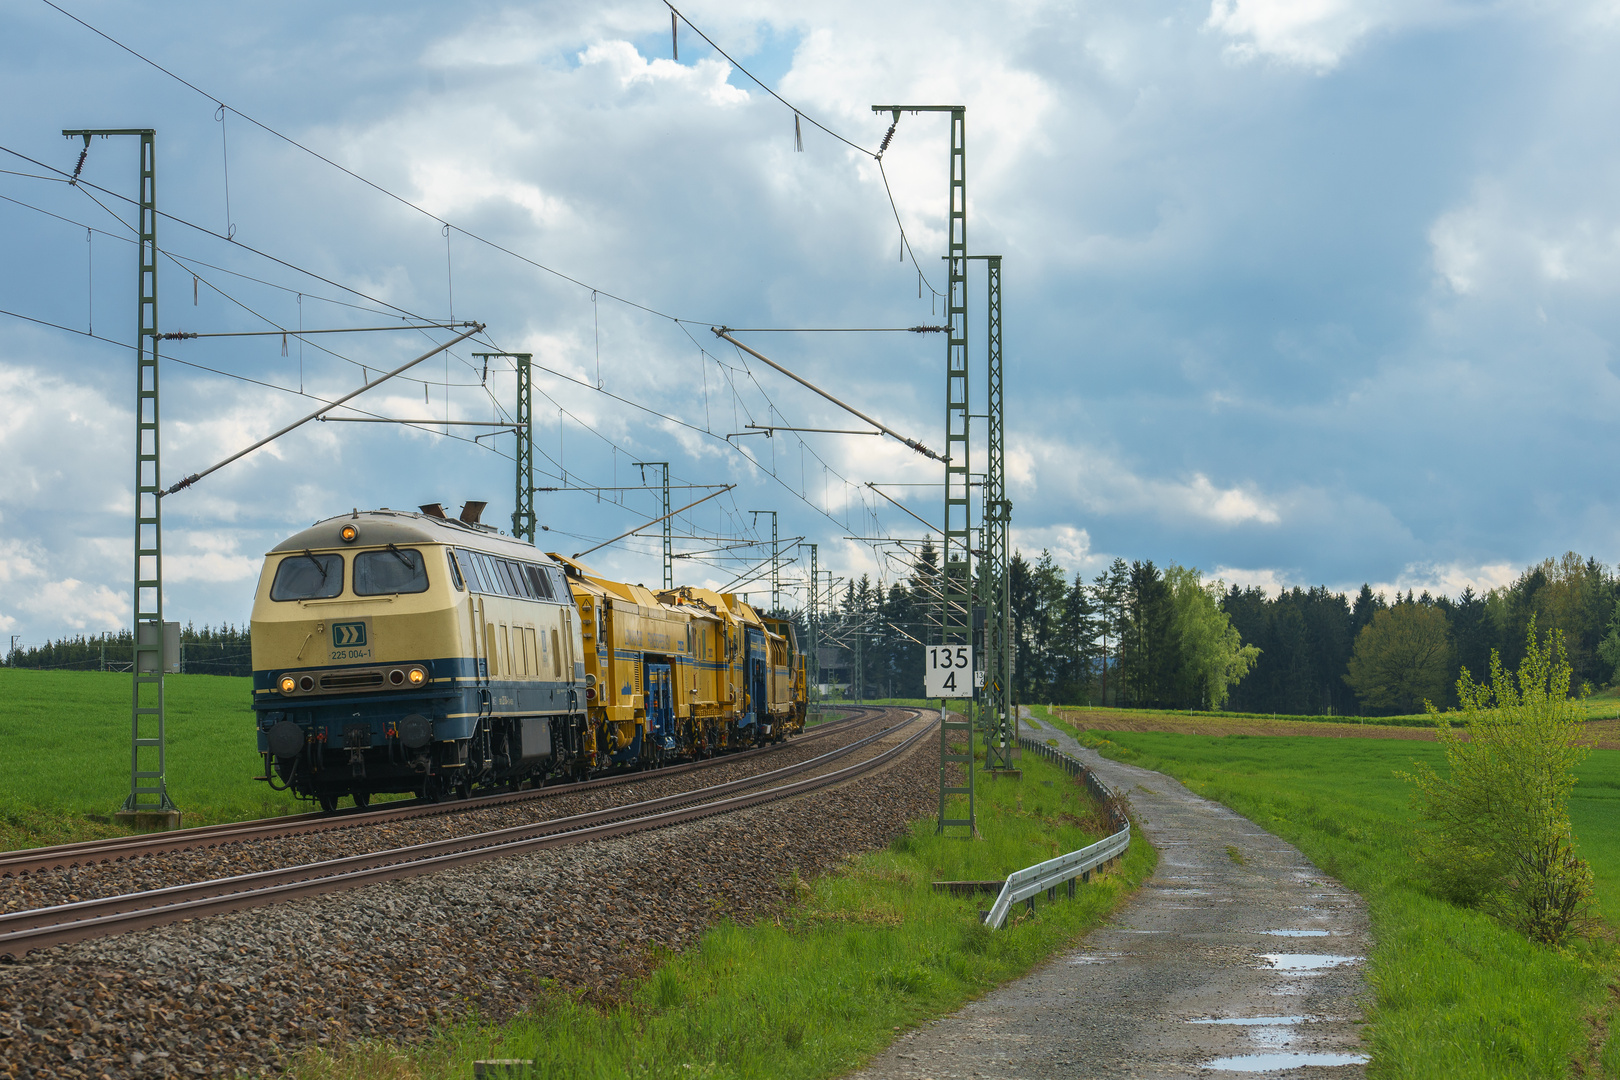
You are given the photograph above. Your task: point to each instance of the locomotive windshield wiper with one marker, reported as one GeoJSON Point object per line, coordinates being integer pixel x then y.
{"type": "Point", "coordinates": [402, 557]}
{"type": "Point", "coordinates": [310, 555]}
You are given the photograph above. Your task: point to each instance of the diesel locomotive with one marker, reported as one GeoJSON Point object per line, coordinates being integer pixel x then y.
{"type": "Point", "coordinates": [412, 652]}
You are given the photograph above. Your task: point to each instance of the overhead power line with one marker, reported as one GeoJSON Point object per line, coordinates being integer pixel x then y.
{"type": "Point", "coordinates": [798, 114]}
{"type": "Point", "coordinates": [402, 200]}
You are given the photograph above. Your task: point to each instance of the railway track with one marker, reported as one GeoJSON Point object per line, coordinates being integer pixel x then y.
{"type": "Point", "coordinates": [26, 931]}
{"type": "Point", "coordinates": [115, 849]}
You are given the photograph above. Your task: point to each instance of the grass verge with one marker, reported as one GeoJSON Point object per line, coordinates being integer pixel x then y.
{"type": "Point", "coordinates": [64, 753]}
{"type": "Point", "coordinates": [1455, 994]}
{"type": "Point", "coordinates": [863, 954]}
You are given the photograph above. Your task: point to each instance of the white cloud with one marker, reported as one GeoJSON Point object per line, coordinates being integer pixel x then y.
{"type": "Point", "coordinates": [1269, 579]}
{"type": "Point", "coordinates": [78, 605]}
{"type": "Point", "coordinates": [1070, 547]}
{"type": "Point", "coordinates": [207, 558]}
{"type": "Point", "coordinates": [1107, 486]}
{"type": "Point", "coordinates": [631, 69]}
{"type": "Point", "coordinates": [1504, 240]}
{"type": "Point", "coordinates": [1450, 579]}
{"type": "Point", "coordinates": [1315, 34]}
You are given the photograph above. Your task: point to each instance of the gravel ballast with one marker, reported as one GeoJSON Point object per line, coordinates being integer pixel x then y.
{"type": "Point", "coordinates": [240, 993]}
{"type": "Point", "coordinates": [97, 880]}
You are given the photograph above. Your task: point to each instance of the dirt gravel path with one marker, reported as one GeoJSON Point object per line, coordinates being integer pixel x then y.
{"type": "Point", "coordinates": [1218, 967]}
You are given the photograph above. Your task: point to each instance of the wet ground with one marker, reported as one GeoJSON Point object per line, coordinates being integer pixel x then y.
{"type": "Point", "coordinates": [1237, 958]}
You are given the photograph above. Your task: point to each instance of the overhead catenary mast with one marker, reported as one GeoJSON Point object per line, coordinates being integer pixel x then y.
{"type": "Point", "coordinates": [956, 577]}
{"type": "Point", "coordinates": [148, 804]}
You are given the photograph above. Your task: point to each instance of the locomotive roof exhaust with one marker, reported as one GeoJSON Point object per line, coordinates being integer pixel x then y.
{"type": "Point", "coordinates": [471, 511]}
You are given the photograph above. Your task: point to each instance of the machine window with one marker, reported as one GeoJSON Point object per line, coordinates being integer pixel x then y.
{"type": "Point", "coordinates": [308, 577]}
{"type": "Point", "coordinates": [539, 581]}
{"type": "Point", "coordinates": [383, 573]}
{"type": "Point", "coordinates": [455, 571]}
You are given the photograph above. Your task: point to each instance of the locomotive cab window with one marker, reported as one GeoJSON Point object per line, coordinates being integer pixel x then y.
{"type": "Point", "coordinates": [396, 570]}
{"type": "Point", "coordinates": [469, 570]}
{"type": "Point", "coordinates": [308, 577]}
{"type": "Point", "coordinates": [455, 571]}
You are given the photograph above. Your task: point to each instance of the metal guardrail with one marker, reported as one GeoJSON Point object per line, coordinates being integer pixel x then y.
{"type": "Point", "coordinates": [1023, 885]}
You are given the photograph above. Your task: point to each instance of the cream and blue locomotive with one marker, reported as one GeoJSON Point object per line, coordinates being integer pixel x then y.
{"type": "Point", "coordinates": [412, 652]}
{"type": "Point", "coordinates": [406, 652]}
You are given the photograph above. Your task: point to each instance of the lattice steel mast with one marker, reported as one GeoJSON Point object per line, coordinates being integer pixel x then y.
{"type": "Point", "coordinates": [1001, 732]}
{"type": "Point", "coordinates": [776, 561]}
{"type": "Point", "coordinates": [669, 536]}
{"type": "Point", "coordinates": [523, 517]}
{"type": "Point", "coordinates": [956, 579]}
{"type": "Point", "coordinates": [812, 673]}
{"type": "Point", "coordinates": [148, 785]}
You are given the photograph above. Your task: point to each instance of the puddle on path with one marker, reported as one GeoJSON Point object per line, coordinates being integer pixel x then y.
{"type": "Point", "coordinates": [1270, 1032]}
{"type": "Point", "coordinates": [1296, 933]}
{"type": "Point", "coordinates": [1307, 961]}
{"type": "Point", "coordinates": [1275, 1062]}
{"type": "Point", "coordinates": [1096, 958]}
{"type": "Point", "coordinates": [1258, 1021]}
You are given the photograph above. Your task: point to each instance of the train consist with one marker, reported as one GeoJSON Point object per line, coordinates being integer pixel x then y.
{"type": "Point", "coordinates": [413, 652]}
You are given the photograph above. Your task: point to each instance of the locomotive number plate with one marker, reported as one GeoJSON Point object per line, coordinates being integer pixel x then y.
{"type": "Point", "coordinates": [350, 641]}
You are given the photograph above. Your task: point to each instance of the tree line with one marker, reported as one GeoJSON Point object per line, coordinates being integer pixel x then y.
{"type": "Point", "coordinates": [1140, 635]}
{"type": "Point", "coordinates": [225, 650]}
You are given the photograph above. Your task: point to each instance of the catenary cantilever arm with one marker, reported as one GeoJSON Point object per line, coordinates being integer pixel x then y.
{"type": "Point", "coordinates": [724, 334]}
{"type": "Point", "coordinates": [194, 477]}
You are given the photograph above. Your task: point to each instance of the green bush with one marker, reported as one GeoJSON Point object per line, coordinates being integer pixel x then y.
{"type": "Point", "coordinates": [1497, 830]}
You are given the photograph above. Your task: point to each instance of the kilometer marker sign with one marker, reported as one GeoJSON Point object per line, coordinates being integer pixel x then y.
{"type": "Point", "coordinates": [948, 671]}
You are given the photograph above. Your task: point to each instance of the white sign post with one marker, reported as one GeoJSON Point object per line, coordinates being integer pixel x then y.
{"type": "Point", "coordinates": [948, 671]}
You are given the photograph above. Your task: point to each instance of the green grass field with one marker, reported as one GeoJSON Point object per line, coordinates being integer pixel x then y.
{"type": "Point", "coordinates": [64, 754]}
{"type": "Point", "coordinates": [866, 952]}
{"type": "Point", "coordinates": [1455, 993]}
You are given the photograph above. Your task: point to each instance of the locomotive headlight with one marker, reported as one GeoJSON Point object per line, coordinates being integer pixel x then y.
{"type": "Point", "coordinates": [349, 534]}
{"type": "Point", "coordinates": [417, 676]}
{"type": "Point", "coordinates": [288, 684]}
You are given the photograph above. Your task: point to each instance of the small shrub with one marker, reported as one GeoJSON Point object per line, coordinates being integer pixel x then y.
{"type": "Point", "coordinates": [1498, 835]}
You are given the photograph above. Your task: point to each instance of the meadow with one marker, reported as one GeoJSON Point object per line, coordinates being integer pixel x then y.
{"type": "Point", "coordinates": [860, 955]}
{"type": "Point", "coordinates": [1455, 994]}
{"type": "Point", "coordinates": [64, 754]}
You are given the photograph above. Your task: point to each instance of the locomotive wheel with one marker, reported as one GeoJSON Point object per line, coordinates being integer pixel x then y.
{"type": "Point", "coordinates": [328, 801]}
{"type": "Point", "coordinates": [362, 799]}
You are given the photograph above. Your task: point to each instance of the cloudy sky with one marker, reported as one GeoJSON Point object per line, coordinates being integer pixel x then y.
{"type": "Point", "coordinates": [1296, 293]}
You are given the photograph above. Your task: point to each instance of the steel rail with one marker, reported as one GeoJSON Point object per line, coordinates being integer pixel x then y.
{"type": "Point", "coordinates": [119, 848]}
{"type": "Point", "coordinates": [26, 931]}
